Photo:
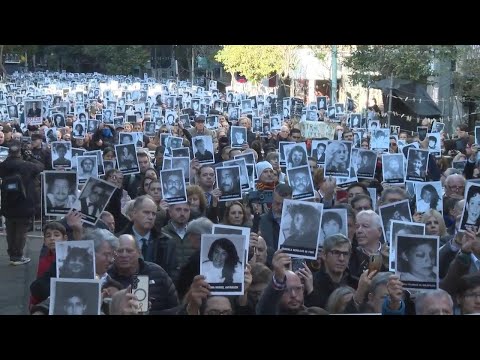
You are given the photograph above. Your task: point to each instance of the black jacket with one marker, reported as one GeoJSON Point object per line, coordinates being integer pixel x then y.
{"type": "Point", "coordinates": [28, 170]}
{"type": "Point", "coordinates": [162, 292]}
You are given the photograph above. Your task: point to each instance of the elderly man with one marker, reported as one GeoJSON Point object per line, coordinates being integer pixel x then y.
{"type": "Point", "coordinates": [128, 262]}
{"type": "Point", "coordinates": [154, 246]}
{"type": "Point", "coordinates": [435, 302]}
{"type": "Point", "coordinates": [454, 186]}
{"type": "Point", "coordinates": [368, 235]}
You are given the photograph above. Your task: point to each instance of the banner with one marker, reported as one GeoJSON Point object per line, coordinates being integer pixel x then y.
{"type": "Point", "coordinates": [317, 129]}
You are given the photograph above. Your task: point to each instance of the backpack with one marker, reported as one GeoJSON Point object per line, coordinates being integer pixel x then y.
{"type": "Point", "coordinates": [13, 188]}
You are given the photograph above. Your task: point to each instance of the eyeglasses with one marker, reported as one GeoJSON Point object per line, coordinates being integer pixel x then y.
{"type": "Point", "coordinates": [337, 253]}
{"type": "Point", "coordinates": [174, 182]}
{"type": "Point", "coordinates": [472, 295]}
{"type": "Point", "coordinates": [219, 312]}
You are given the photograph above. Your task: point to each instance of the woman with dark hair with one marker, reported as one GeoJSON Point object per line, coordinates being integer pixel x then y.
{"type": "Point", "coordinates": [223, 264]}
{"type": "Point", "coordinates": [296, 157]}
{"type": "Point", "coordinates": [108, 153]}
{"type": "Point", "coordinates": [471, 215]}
{"type": "Point", "coordinates": [417, 260]}
{"type": "Point", "coordinates": [302, 233]}
{"type": "Point", "coordinates": [78, 264]}
{"type": "Point", "coordinates": [429, 199]}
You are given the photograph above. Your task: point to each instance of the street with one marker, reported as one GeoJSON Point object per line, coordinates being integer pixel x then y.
{"type": "Point", "coordinates": [16, 280]}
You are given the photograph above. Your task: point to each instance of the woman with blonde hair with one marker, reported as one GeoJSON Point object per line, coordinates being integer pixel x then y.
{"type": "Point", "coordinates": [435, 225]}
{"type": "Point", "coordinates": [236, 214]}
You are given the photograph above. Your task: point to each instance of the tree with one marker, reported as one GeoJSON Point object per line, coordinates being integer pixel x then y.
{"type": "Point", "coordinates": [257, 62]}
{"type": "Point", "coordinates": [410, 62]}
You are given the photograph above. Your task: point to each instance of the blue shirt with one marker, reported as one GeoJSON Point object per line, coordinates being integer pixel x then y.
{"type": "Point", "coordinates": [138, 239]}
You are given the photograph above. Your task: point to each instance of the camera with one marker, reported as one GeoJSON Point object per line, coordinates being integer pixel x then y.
{"type": "Point", "coordinates": [261, 197]}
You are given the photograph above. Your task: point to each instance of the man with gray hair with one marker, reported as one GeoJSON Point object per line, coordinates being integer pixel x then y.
{"type": "Point", "coordinates": [191, 268]}
{"type": "Point", "coordinates": [392, 194]}
{"type": "Point", "coordinates": [105, 244]}
{"type": "Point", "coordinates": [435, 302]}
{"type": "Point", "coordinates": [368, 235]}
{"type": "Point", "coordinates": [454, 186]}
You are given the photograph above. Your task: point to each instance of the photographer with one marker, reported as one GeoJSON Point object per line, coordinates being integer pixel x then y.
{"type": "Point", "coordinates": [18, 173]}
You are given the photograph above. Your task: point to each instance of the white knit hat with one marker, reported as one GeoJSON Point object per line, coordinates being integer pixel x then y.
{"type": "Point", "coordinates": [262, 165]}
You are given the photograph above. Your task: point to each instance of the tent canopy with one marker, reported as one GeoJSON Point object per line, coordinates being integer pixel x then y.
{"type": "Point", "coordinates": [411, 90]}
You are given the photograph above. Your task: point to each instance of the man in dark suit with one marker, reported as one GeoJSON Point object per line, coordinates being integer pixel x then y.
{"type": "Point", "coordinates": [92, 205]}
{"type": "Point", "coordinates": [319, 153]}
{"type": "Point", "coordinates": [34, 111]}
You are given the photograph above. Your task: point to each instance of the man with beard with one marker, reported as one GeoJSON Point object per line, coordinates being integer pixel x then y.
{"type": "Point", "coordinates": [301, 183]}
{"type": "Point", "coordinates": [229, 183]}
{"type": "Point", "coordinates": [173, 186]}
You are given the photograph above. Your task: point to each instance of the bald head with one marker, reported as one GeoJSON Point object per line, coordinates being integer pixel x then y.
{"type": "Point", "coordinates": [127, 240]}
{"type": "Point", "coordinates": [292, 297]}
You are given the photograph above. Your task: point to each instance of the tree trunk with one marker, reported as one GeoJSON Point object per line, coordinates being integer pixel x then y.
{"type": "Point", "coordinates": [2, 68]}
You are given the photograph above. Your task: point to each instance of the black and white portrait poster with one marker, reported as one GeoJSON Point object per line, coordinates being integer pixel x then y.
{"type": "Point", "coordinates": [33, 111]}
{"type": "Point", "coordinates": [79, 130]}
{"type": "Point", "coordinates": [300, 180]}
{"type": "Point", "coordinates": [181, 152]}
{"type": "Point", "coordinates": [471, 211]}
{"type": "Point", "coordinates": [238, 136]}
{"type": "Point", "coordinates": [373, 196]}
{"type": "Point", "coordinates": [75, 259]}
{"type": "Point", "coordinates": [127, 160]}
{"type": "Point", "coordinates": [295, 155]}
{"type": "Point", "coordinates": [58, 120]}
{"type": "Point", "coordinates": [477, 135]}
{"type": "Point", "coordinates": [93, 199]}
{"type": "Point", "coordinates": [355, 121]}
{"type": "Point", "coordinates": [92, 126]}
{"type": "Point", "coordinates": [75, 297]}
{"type": "Point", "coordinates": [99, 155]}
{"type": "Point", "coordinates": [331, 112]}
{"type": "Point", "coordinates": [334, 221]}
{"type": "Point", "coordinates": [257, 124]}
{"type": "Point", "coordinates": [380, 139]}
{"type": "Point", "coordinates": [173, 185]}
{"type": "Point", "coordinates": [50, 134]}
{"type": "Point", "coordinates": [59, 191]}
{"type": "Point", "coordinates": [276, 122]}
{"type": "Point", "coordinates": [339, 109]}
{"type": "Point", "coordinates": [417, 163]}
{"type": "Point", "coordinates": [365, 164]}
{"type": "Point", "coordinates": [422, 132]}
{"type": "Point", "coordinates": [203, 149]}
{"type": "Point", "coordinates": [437, 127]}
{"type": "Point", "coordinates": [300, 228]}
{"type": "Point", "coordinates": [184, 164]}
{"type": "Point", "coordinates": [399, 211]}
{"type": "Point", "coordinates": [373, 125]}
{"type": "Point", "coordinates": [149, 129]}
{"type": "Point", "coordinates": [246, 106]}
{"type": "Point", "coordinates": [223, 262]}
{"type": "Point", "coordinates": [281, 145]}
{"type": "Point", "coordinates": [61, 154]}
{"type": "Point", "coordinates": [312, 115]}
{"type": "Point", "coordinates": [459, 165]}
{"type": "Point", "coordinates": [76, 152]}
{"type": "Point", "coordinates": [228, 181]}
{"type": "Point", "coordinates": [211, 122]}
{"type": "Point", "coordinates": [86, 167]}
{"type": "Point", "coordinates": [248, 156]}
{"type": "Point", "coordinates": [234, 230]}
{"type": "Point", "coordinates": [406, 148]}
{"type": "Point", "coordinates": [318, 150]}
{"type": "Point", "coordinates": [244, 179]}
{"type": "Point", "coordinates": [399, 228]}
{"type": "Point", "coordinates": [109, 164]}
{"type": "Point", "coordinates": [429, 195]}
{"type": "Point", "coordinates": [172, 142]}
{"type": "Point", "coordinates": [393, 168]}
{"type": "Point", "coordinates": [337, 159]}
{"type": "Point", "coordinates": [416, 261]}
{"type": "Point", "coordinates": [322, 102]}
{"type": "Point", "coordinates": [434, 143]}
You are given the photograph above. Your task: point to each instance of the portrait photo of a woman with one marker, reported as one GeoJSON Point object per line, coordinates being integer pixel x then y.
{"type": "Point", "coordinates": [224, 264]}
{"type": "Point", "coordinates": [297, 156]}
{"type": "Point", "coordinates": [337, 159]}
{"type": "Point", "coordinates": [417, 259]}
{"type": "Point", "coordinates": [428, 198]}
{"type": "Point", "coordinates": [471, 213]}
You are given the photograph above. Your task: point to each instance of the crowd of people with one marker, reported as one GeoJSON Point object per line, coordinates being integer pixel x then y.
{"type": "Point", "coordinates": [156, 220]}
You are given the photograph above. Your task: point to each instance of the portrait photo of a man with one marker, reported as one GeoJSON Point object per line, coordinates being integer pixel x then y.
{"type": "Point", "coordinates": [173, 186]}
{"type": "Point", "coordinates": [75, 297]}
{"type": "Point", "coordinates": [203, 149]}
{"type": "Point", "coordinates": [228, 180]}
{"type": "Point", "coordinates": [61, 154]}
{"type": "Point", "coordinates": [86, 167]}
{"type": "Point", "coordinates": [93, 199]}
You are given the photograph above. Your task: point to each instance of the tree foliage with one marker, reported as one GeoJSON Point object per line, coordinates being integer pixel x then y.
{"type": "Point", "coordinates": [410, 62]}
{"type": "Point", "coordinates": [465, 78]}
{"type": "Point", "coordinates": [256, 62]}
